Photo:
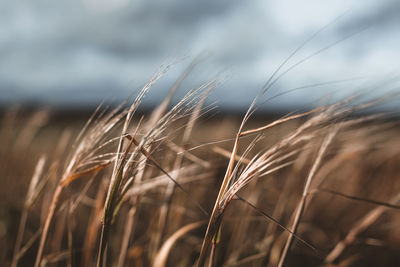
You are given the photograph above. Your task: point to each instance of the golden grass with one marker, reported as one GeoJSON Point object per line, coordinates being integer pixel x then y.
{"type": "Point", "coordinates": [318, 188]}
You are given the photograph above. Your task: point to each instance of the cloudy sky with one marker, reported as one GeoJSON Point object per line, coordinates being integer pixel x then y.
{"type": "Point", "coordinates": [77, 53]}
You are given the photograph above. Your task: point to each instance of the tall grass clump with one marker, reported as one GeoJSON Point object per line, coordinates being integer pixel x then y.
{"type": "Point", "coordinates": [172, 188]}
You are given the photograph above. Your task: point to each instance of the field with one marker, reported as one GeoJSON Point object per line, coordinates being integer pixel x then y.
{"type": "Point", "coordinates": [179, 186]}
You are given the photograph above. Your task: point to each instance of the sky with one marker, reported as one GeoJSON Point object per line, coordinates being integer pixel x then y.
{"type": "Point", "coordinates": [78, 53]}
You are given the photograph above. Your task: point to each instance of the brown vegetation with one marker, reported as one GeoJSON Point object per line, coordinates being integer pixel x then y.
{"type": "Point", "coordinates": [319, 188]}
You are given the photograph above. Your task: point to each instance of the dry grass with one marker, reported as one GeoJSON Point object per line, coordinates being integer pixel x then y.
{"type": "Point", "coordinates": [319, 188]}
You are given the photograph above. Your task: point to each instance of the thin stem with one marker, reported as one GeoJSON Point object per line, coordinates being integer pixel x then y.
{"type": "Point", "coordinates": [302, 203]}
{"type": "Point", "coordinates": [49, 218]}
{"type": "Point", "coordinates": [18, 242]}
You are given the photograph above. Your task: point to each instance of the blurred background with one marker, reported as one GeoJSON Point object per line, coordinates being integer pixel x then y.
{"type": "Point", "coordinates": [74, 54]}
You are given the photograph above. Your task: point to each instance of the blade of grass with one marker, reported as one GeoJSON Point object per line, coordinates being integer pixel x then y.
{"type": "Point", "coordinates": [162, 255]}
{"type": "Point", "coordinates": [301, 205]}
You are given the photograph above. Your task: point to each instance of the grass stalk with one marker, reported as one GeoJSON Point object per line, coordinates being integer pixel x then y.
{"type": "Point", "coordinates": [301, 204]}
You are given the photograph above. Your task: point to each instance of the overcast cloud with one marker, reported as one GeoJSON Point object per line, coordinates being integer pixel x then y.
{"type": "Point", "coordinates": [79, 52]}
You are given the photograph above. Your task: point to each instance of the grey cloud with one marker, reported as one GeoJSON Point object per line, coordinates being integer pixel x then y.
{"type": "Point", "coordinates": [380, 18]}
{"type": "Point", "coordinates": [59, 50]}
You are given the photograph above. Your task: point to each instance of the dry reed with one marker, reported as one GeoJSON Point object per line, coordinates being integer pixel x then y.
{"type": "Point", "coordinates": [136, 189]}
